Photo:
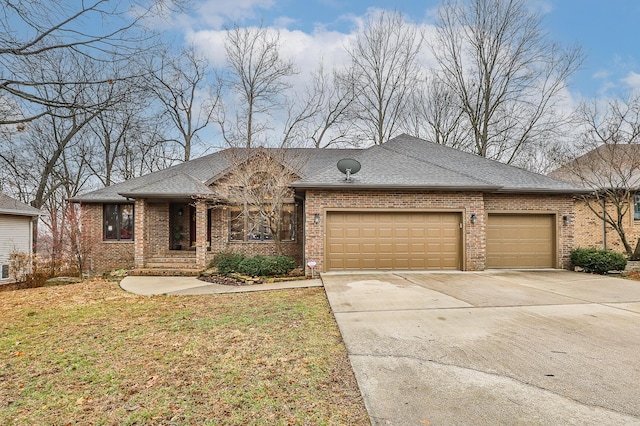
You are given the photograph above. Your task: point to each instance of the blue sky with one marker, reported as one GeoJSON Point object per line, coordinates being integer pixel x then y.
{"type": "Point", "coordinates": [607, 30]}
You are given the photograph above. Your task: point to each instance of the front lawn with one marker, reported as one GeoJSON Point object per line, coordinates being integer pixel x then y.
{"type": "Point", "coordinates": [91, 353]}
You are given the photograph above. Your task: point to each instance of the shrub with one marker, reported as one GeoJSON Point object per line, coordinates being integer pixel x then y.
{"type": "Point", "coordinates": [252, 266]}
{"type": "Point", "coordinates": [227, 261]}
{"type": "Point", "coordinates": [598, 261]}
{"type": "Point", "coordinates": [266, 266]}
{"type": "Point", "coordinates": [278, 265]}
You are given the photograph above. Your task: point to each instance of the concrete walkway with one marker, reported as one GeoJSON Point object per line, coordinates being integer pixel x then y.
{"type": "Point", "coordinates": [148, 286]}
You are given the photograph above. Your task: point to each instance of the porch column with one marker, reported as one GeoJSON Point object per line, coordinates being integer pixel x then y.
{"type": "Point", "coordinates": [140, 232]}
{"type": "Point", "coordinates": [201, 233]}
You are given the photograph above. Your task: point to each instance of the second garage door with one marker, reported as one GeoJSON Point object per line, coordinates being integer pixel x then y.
{"type": "Point", "coordinates": [393, 240]}
{"type": "Point", "coordinates": [521, 241]}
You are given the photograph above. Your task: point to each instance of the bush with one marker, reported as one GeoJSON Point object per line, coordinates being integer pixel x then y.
{"type": "Point", "coordinates": [278, 265]}
{"type": "Point", "coordinates": [227, 261]}
{"type": "Point", "coordinates": [252, 266]}
{"type": "Point", "coordinates": [266, 266]}
{"type": "Point", "coordinates": [598, 261]}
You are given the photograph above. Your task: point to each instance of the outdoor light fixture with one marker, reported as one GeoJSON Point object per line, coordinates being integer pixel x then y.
{"type": "Point", "coordinates": [180, 211]}
{"type": "Point", "coordinates": [566, 219]}
{"type": "Point", "coordinates": [474, 218]}
{"type": "Point", "coordinates": [316, 218]}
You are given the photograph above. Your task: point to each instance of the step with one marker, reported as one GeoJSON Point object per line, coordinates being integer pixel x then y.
{"type": "Point", "coordinates": [158, 259]}
{"type": "Point", "coordinates": [164, 272]}
{"type": "Point", "coordinates": [172, 265]}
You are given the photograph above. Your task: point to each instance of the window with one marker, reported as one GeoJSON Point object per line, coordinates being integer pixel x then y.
{"type": "Point", "coordinates": [118, 222]}
{"type": "Point", "coordinates": [250, 226]}
{"type": "Point", "coordinates": [4, 272]}
{"type": "Point", "coordinates": [636, 206]}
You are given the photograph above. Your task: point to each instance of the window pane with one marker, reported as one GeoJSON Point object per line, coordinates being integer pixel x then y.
{"type": "Point", "coordinates": [126, 222]}
{"type": "Point", "coordinates": [288, 230]}
{"type": "Point", "coordinates": [111, 222]}
{"type": "Point", "coordinates": [236, 233]}
{"type": "Point", "coordinates": [636, 206]}
{"type": "Point", "coordinates": [254, 224]}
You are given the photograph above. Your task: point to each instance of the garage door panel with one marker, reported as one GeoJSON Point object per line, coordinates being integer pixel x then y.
{"type": "Point", "coordinates": [393, 240]}
{"type": "Point", "coordinates": [521, 241]}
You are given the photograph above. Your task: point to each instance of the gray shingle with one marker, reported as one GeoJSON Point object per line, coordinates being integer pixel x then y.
{"type": "Point", "coordinates": [403, 162]}
{"type": "Point", "coordinates": [12, 206]}
{"type": "Point", "coordinates": [409, 162]}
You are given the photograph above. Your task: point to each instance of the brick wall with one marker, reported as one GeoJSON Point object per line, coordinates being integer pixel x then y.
{"type": "Point", "coordinates": [589, 232]}
{"type": "Point", "coordinates": [103, 256]}
{"type": "Point", "coordinates": [321, 201]}
{"type": "Point", "coordinates": [220, 238]}
{"type": "Point", "coordinates": [561, 205]}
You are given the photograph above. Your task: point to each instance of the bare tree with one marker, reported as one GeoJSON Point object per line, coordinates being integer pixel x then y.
{"type": "Point", "coordinates": [178, 86]}
{"type": "Point", "coordinates": [331, 123]}
{"type": "Point", "coordinates": [257, 79]}
{"type": "Point", "coordinates": [507, 76]}
{"type": "Point", "coordinates": [383, 72]}
{"type": "Point", "coordinates": [32, 31]}
{"type": "Point", "coordinates": [611, 166]}
{"type": "Point", "coordinates": [435, 115]}
{"type": "Point", "coordinates": [260, 185]}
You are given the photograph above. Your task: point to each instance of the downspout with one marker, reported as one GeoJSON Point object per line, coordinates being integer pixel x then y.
{"type": "Point", "coordinates": [604, 224]}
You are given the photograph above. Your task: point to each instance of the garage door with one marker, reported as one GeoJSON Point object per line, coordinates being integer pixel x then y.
{"type": "Point", "coordinates": [521, 241]}
{"type": "Point", "coordinates": [393, 240]}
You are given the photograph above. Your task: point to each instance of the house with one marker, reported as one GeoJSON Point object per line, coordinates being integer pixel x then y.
{"type": "Point", "coordinates": [16, 232]}
{"type": "Point", "coordinates": [611, 175]}
{"type": "Point", "coordinates": [413, 205]}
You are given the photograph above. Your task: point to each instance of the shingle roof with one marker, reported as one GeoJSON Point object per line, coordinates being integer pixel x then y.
{"type": "Point", "coordinates": [403, 162]}
{"type": "Point", "coordinates": [608, 166]}
{"type": "Point", "coordinates": [409, 162]}
{"type": "Point", "coordinates": [12, 206]}
{"type": "Point", "coordinates": [192, 176]}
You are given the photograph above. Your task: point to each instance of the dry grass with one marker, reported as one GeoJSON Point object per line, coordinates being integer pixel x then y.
{"type": "Point", "coordinates": [90, 353]}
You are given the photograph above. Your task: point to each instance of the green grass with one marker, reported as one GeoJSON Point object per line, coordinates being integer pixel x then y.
{"type": "Point", "coordinates": [92, 354]}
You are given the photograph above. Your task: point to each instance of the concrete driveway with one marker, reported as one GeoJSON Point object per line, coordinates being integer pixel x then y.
{"type": "Point", "coordinates": [498, 347]}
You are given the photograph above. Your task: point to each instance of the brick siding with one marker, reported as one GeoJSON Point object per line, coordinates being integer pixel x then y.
{"type": "Point", "coordinates": [108, 255]}
{"type": "Point", "coordinates": [589, 231]}
{"type": "Point", "coordinates": [103, 255]}
{"type": "Point", "coordinates": [561, 205]}
{"type": "Point", "coordinates": [322, 201]}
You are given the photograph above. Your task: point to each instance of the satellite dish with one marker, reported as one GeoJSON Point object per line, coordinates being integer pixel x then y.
{"type": "Point", "coordinates": [349, 167]}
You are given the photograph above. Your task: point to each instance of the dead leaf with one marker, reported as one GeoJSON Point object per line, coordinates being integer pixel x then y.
{"type": "Point", "coordinates": [152, 381]}
{"type": "Point", "coordinates": [19, 353]}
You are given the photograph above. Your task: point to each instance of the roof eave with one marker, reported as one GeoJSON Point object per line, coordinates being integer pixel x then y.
{"type": "Point", "coordinates": [20, 213]}
{"type": "Point", "coordinates": [543, 191]}
{"type": "Point", "coordinates": [353, 185]}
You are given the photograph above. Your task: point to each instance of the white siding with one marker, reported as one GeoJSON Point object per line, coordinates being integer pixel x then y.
{"type": "Point", "coordinates": [15, 236]}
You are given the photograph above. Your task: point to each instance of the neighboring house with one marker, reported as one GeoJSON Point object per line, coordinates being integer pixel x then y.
{"type": "Point", "coordinates": [611, 174]}
{"type": "Point", "coordinates": [414, 205]}
{"type": "Point", "coordinates": [16, 232]}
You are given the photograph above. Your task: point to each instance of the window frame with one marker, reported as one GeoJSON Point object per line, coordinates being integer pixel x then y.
{"type": "Point", "coordinates": [248, 224]}
{"type": "Point", "coordinates": [119, 221]}
{"type": "Point", "coordinates": [636, 206]}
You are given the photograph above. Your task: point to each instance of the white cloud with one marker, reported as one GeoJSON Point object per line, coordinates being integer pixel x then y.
{"type": "Point", "coordinates": [632, 80]}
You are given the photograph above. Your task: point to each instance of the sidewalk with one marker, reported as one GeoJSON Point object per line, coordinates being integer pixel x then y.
{"type": "Point", "coordinates": [148, 286]}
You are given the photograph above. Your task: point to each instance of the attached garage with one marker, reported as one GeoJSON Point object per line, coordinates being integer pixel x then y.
{"type": "Point", "coordinates": [361, 240]}
{"type": "Point", "coordinates": [521, 240]}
